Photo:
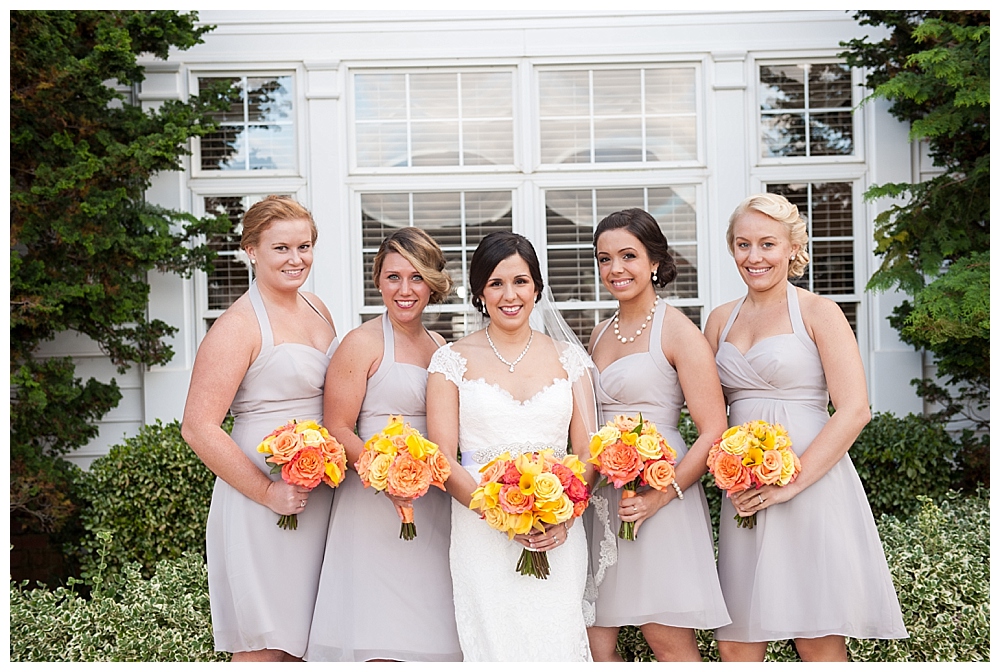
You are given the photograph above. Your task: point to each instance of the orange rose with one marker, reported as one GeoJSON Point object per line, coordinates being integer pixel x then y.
{"type": "Point", "coordinates": [580, 507]}
{"type": "Point", "coordinates": [284, 446]}
{"type": "Point", "coordinates": [730, 473]}
{"type": "Point", "coordinates": [768, 472]}
{"type": "Point", "coordinates": [440, 468]}
{"type": "Point", "coordinates": [408, 477]}
{"type": "Point", "coordinates": [620, 463]}
{"type": "Point", "coordinates": [513, 501]}
{"type": "Point", "coordinates": [363, 464]}
{"type": "Point", "coordinates": [306, 469]}
{"type": "Point", "coordinates": [659, 474]}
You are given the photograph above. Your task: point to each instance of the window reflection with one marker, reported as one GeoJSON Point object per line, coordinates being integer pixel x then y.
{"type": "Point", "coordinates": [805, 110]}
{"type": "Point", "coordinates": [255, 133]}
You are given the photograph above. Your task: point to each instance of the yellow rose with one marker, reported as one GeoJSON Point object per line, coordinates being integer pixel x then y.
{"type": "Point", "coordinates": [649, 447]}
{"type": "Point", "coordinates": [573, 463]}
{"type": "Point", "coordinates": [547, 487]}
{"type": "Point", "coordinates": [734, 441]}
{"type": "Point", "coordinates": [564, 510]}
{"type": "Point", "coordinates": [312, 437]}
{"type": "Point", "coordinates": [378, 471]}
{"type": "Point", "coordinates": [608, 435]}
{"type": "Point", "coordinates": [787, 467]}
{"type": "Point", "coordinates": [497, 518]}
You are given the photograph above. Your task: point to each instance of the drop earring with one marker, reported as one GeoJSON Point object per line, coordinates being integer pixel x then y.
{"type": "Point", "coordinates": [654, 278]}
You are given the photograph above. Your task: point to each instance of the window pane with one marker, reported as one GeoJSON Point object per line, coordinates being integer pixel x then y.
{"type": "Point", "coordinates": [235, 111]}
{"type": "Point", "coordinates": [380, 96]}
{"type": "Point", "coordinates": [269, 98]}
{"type": "Point", "coordinates": [833, 267]}
{"type": "Point", "coordinates": [617, 92]}
{"type": "Point", "coordinates": [832, 214]}
{"type": "Point", "coordinates": [831, 133]}
{"type": "Point", "coordinates": [783, 135]}
{"type": "Point", "coordinates": [271, 147]}
{"type": "Point", "coordinates": [434, 96]}
{"type": "Point", "coordinates": [381, 215]}
{"type": "Point", "coordinates": [487, 94]}
{"type": "Point", "coordinates": [782, 87]}
{"type": "Point", "coordinates": [670, 91]}
{"type": "Point", "coordinates": [672, 139]}
{"type": "Point", "coordinates": [617, 140]}
{"type": "Point", "coordinates": [829, 85]}
{"type": "Point", "coordinates": [570, 208]}
{"type": "Point", "coordinates": [229, 278]}
{"type": "Point", "coordinates": [685, 286]}
{"type": "Point", "coordinates": [571, 274]}
{"type": "Point", "coordinates": [434, 143]}
{"type": "Point", "coordinates": [381, 144]}
{"type": "Point", "coordinates": [613, 200]}
{"type": "Point", "coordinates": [486, 212]}
{"type": "Point", "coordinates": [565, 141]}
{"type": "Point", "coordinates": [564, 93]}
{"type": "Point", "coordinates": [487, 143]}
{"type": "Point", "coordinates": [582, 322]}
{"type": "Point", "coordinates": [224, 149]}
{"type": "Point", "coordinates": [850, 310]}
{"type": "Point", "coordinates": [673, 209]}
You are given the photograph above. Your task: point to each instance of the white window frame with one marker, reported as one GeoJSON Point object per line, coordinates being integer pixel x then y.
{"type": "Point", "coordinates": [417, 67]}
{"type": "Point", "coordinates": [754, 122]}
{"type": "Point", "coordinates": [543, 65]}
{"type": "Point", "coordinates": [297, 73]}
{"type": "Point", "coordinates": [238, 188]}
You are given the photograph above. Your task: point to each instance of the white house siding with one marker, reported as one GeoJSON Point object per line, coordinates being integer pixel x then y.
{"type": "Point", "coordinates": [322, 48]}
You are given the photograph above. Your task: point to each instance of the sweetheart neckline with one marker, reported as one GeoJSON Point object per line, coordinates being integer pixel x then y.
{"type": "Point", "coordinates": [750, 349]}
{"type": "Point", "coordinates": [510, 396]}
{"type": "Point", "coordinates": [619, 359]}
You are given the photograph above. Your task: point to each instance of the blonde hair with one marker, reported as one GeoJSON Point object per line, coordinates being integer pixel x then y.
{"type": "Point", "coordinates": [781, 210]}
{"type": "Point", "coordinates": [423, 253]}
{"type": "Point", "coordinates": [272, 209]}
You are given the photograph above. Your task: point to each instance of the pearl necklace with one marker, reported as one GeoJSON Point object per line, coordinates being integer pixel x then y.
{"type": "Point", "coordinates": [638, 332]}
{"type": "Point", "coordinates": [500, 357]}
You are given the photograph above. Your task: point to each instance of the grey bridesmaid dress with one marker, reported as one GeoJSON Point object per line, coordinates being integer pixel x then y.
{"type": "Point", "coordinates": [381, 597]}
{"type": "Point", "coordinates": [262, 579]}
{"type": "Point", "coordinates": [814, 565]}
{"type": "Point", "coordinates": [666, 575]}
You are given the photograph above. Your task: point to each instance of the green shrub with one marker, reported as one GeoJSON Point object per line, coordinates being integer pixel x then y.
{"type": "Point", "coordinates": [152, 493]}
{"type": "Point", "coordinates": [939, 560]}
{"type": "Point", "coordinates": [940, 564]}
{"type": "Point", "coordinates": [900, 459]}
{"type": "Point", "coordinates": [128, 617]}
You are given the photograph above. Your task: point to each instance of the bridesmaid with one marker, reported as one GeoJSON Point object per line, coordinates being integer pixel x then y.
{"type": "Point", "coordinates": [264, 359]}
{"type": "Point", "coordinates": [812, 569]}
{"type": "Point", "coordinates": [381, 597]}
{"type": "Point", "coordinates": [655, 360]}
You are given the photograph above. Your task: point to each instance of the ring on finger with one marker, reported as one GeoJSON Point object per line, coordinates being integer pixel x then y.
{"type": "Point", "coordinates": [760, 498]}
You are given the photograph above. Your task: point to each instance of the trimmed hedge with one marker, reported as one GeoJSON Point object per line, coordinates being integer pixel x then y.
{"type": "Point", "coordinates": [152, 493]}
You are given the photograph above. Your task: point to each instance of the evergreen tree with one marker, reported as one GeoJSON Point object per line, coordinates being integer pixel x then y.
{"type": "Point", "coordinates": [82, 237]}
{"type": "Point", "coordinates": [934, 67]}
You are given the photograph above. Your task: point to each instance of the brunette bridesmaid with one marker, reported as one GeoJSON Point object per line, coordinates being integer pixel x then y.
{"type": "Point", "coordinates": [653, 360]}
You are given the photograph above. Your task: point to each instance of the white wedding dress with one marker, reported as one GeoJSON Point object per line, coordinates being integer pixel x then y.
{"type": "Point", "coordinates": [502, 615]}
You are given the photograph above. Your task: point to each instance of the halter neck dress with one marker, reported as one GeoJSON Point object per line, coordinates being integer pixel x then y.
{"type": "Point", "coordinates": [666, 575]}
{"type": "Point", "coordinates": [381, 597]}
{"type": "Point", "coordinates": [814, 565]}
{"type": "Point", "coordinates": [247, 552]}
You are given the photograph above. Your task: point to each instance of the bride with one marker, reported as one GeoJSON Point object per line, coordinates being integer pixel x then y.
{"type": "Point", "coordinates": [509, 388]}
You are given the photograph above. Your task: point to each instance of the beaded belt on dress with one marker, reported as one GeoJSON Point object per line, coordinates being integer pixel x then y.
{"type": "Point", "coordinates": [487, 455]}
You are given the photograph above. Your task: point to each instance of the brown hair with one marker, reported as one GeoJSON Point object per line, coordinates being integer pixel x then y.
{"type": "Point", "coordinates": [271, 209]}
{"type": "Point", "coordinates": [781, 210]}
{"type": "Point", "coordinates": [643, 226]}
{"type": "Point", "coordinates": [423, 253]}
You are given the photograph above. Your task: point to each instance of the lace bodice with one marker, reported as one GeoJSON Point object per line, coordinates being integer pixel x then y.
{"type": "Point", "coordinates": [491, 421]}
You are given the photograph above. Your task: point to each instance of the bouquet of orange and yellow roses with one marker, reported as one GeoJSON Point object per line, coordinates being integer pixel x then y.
{"type": "Point", "coordinates": [402, 462]}
{"type": "Point", "coordinates": [753, 454]}
{"type": "Point", "coordinates": [629, 452]}
{"type": "Point", "coordinates": [306, 455]}
{"type": "Point", "coordinates": [518, 494]}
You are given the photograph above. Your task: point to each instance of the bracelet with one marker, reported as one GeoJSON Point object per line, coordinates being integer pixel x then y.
{"type": "Point", "coordinates": [677, 489]}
